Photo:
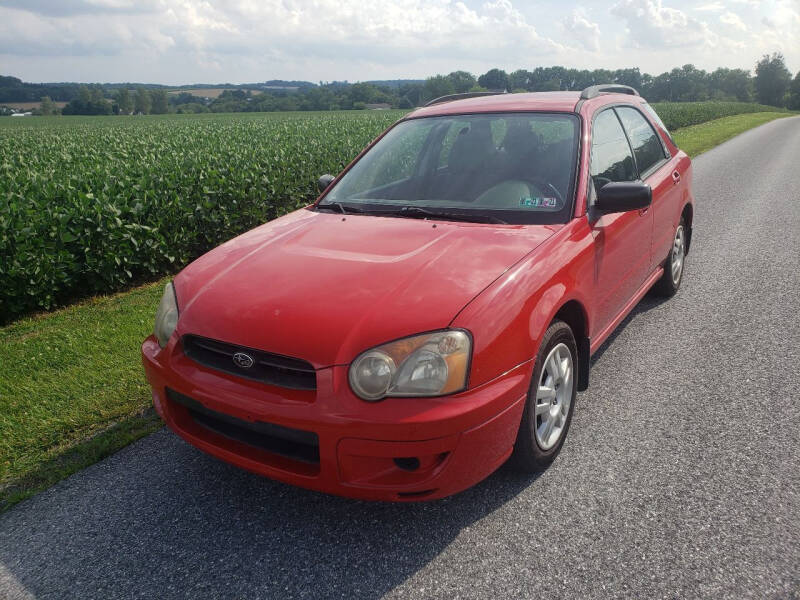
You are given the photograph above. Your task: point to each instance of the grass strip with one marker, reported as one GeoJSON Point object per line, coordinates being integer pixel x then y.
{"type": "Point", "coordinates": [696, 139]}
{"type": "Point", "coordinates": [72, 389]}
{"type": "Point", "coordinates": [66, 460]}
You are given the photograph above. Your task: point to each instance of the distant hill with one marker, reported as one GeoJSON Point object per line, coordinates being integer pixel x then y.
{"type": "Point", "coordinates": [280, 83]}
{"type": "Point", "coordinates": [394, 83]}
{"type": "Point", "coordinates": [14, 90]}
{"type": "Point", "coordinates": [209, 92]}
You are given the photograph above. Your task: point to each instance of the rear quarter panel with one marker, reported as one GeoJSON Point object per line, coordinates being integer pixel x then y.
{"type": "Point", "coordinates": [669, 199]}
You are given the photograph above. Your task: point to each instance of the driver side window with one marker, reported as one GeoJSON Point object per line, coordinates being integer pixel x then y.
{"type": "Point", "coordinates": [612, 159]}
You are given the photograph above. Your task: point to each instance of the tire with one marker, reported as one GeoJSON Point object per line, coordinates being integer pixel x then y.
{"type": "Point", "coordinates": [670, 281]}
{"type": "Point", "coordinates": [534, 448]}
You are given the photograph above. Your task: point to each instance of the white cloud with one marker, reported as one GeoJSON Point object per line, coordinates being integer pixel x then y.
{"type": "Point", "coordinates": [650, 24]}
{"type": "Point", "coordinates": [734, 21]}
{"type": "Point", "coordinates": [581, 29]}
{"type": "Point", "coordinates": [29, 34]}
{"type": "Point", "coordinates": [713, 7]}
{"type": "Point", "coordinates": [781, 31]}
{"type": "Point", "coordinates": [188, 41]}
{"type": "Point", "coordinates": [769, 22]}
{"type": "Point", "coordinates": [279, 32]}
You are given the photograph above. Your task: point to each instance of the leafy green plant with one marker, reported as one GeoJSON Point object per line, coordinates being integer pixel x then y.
{"type": "Point", "coordinates": [91, 205]}
{"type": "Point", "coordinates": [682, 114]}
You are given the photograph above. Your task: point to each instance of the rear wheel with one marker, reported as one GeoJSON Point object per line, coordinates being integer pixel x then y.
{"type": "Point", "coordinates": [670, 281]}
{"type": "Point", "coordinates": [551, 400]}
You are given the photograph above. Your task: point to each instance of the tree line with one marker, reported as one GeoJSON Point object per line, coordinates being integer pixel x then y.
{"type": "Point", "coordinates": [91, 100]}
{"type": "Point", "coordinates": [771, 84]}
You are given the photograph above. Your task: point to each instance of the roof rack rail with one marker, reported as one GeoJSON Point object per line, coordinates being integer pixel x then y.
{"type": "Point", "coordinates": [607, 88]}
{"type": "Point", "coordinates": [452, 97]}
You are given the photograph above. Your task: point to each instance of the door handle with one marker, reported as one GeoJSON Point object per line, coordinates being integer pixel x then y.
{"type": "Point", "coordinates": [676, 177]}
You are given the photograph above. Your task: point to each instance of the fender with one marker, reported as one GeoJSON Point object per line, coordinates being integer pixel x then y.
{"type": "Point", "coordinates": [509, 318]}
{"type": "Point", "coordinates": [570, 308]}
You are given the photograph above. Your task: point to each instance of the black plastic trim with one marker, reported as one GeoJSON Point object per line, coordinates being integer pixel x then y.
{"type": "Point", "coordinates": [584, 363]}
{"type": "Point", "coordinates": [464, 96]}
{"type": "Point", "coordinates": [607, 88]}
{"type": "Point", "coordinates": [296, 444]}
{"type": "Point", "coordinates": [269, 368]}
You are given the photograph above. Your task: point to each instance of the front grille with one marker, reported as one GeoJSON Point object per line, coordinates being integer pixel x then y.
{"type": "Point", "coordinates": [273, 369]}
{"type": "Point", "coordinates": [284, 441]}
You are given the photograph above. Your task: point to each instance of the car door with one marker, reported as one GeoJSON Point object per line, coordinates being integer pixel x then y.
{"type": "Point", "coordinates": [656, 168]}
{"type": "Point", "coordinates": [621, 240]}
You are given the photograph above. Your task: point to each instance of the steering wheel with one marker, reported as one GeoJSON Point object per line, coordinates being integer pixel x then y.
{"type": "Point", "coordinates": [541, 184]}
{"type": "Point", "coordinates": [599, 182]}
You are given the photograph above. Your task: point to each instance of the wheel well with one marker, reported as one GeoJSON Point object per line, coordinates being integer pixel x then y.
{"type": "Point", "coordinates": [573, 314]}
{"type": "Point", "coordinates": [688, 215]}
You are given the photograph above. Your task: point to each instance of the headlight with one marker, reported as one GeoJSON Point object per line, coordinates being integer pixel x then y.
{"type": "Point", "coordinates": [166, 316]}
{"type": "Point", "coordinates": [431, 364]}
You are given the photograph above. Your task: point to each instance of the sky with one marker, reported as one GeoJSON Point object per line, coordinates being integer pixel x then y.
{"type": "Point", "coordinates": [245, 41]}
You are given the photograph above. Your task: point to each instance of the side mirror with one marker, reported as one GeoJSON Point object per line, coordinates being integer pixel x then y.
{"type": "Point", "coordinates": [324, 181]}
{"type": "Point", "coordinates": [622, 196]}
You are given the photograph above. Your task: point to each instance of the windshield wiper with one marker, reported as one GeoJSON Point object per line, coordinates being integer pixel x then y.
{"type": "Point", "coordinates": [417, 212]}
{"type": "Point", "coordinates": [342, 208]}
{"type": "Point", "coordinates": [412, 212]}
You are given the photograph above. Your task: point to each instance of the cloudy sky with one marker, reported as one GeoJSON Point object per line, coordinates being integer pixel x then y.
{"type": "Point", "coordinates": [236, 41]}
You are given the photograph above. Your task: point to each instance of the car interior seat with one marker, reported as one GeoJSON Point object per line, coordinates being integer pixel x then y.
{"type": "Point", "coordinates": [472, 150]}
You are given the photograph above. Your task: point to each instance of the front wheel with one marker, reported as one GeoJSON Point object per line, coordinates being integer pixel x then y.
{"type": "Point", "coordinates": [670, 281]}
{"type": "Point", "coordinates": [551, 400]}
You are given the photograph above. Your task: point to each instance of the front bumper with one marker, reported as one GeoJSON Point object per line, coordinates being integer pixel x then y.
{"type": "Point", "coordinates": [399, 449]}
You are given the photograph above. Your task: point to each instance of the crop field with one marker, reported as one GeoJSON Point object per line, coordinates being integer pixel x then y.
{"type": "Point", "coordinates": [682, 114]}
{"type": "Point", "coordinates": [95, 204]}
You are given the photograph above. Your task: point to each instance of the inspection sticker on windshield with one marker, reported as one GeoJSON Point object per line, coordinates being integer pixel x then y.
{"type": "Point", "coordinates": [535, 201]}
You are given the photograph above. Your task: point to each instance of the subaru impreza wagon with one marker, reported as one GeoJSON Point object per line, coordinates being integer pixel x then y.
{"type": "Point", "coordinates": [434, 312]}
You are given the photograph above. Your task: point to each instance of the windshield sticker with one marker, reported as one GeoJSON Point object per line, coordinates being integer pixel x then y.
{"type": "Point", "coordinates": [535, 202]}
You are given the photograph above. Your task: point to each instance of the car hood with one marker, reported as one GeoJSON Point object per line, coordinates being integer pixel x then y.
{"type": "Point", "coordinates": [324, 287]}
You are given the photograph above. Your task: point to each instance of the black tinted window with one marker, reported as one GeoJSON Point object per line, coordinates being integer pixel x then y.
{"type": "Point", "coordinates": [646, 146]}
{"type": "Point", "coordinates": [611, 155]}
{"type": "Point", "coordinates": [654, 115]}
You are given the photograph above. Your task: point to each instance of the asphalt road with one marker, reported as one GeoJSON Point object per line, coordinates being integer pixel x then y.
{"type": "Point", "coordinates": [680, 477]}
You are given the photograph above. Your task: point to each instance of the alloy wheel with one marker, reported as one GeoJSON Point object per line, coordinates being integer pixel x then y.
{"type": "Point", "coordinates": [553, 396]}
{"type": "Point", "coordinates": [678, 252]}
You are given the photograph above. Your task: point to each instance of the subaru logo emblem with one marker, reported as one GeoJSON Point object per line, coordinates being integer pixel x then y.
{"type": "Point", "coordinates": [243, 361]}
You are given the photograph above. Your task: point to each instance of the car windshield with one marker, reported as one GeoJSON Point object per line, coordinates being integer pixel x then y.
{"type": "Point", "coordinates": [507, 167]}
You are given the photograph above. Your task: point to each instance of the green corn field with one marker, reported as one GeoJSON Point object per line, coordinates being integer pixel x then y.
{"type": "Point", "coordinates": [94, 204]}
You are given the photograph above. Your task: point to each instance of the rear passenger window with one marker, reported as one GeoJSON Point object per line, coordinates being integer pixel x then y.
{"type": "Point", "coordinates": [646, 146]}
{"type": "Point", "coordinates": [611, 154]}
{"type": "Point", "coordinates": [654, 115]}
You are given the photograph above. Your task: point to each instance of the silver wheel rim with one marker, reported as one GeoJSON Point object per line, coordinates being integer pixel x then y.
{"type": "Point", "coordinates": [553, 396]}
{"type": "Point", "coordinates": [678, 252]}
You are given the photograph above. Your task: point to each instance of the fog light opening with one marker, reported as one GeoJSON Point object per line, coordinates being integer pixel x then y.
{"type": "Point", "coordinates": [407, 463]}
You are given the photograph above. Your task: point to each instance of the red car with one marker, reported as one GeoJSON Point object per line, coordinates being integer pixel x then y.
{"type": "Point", "coordinates": [433, 313]}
